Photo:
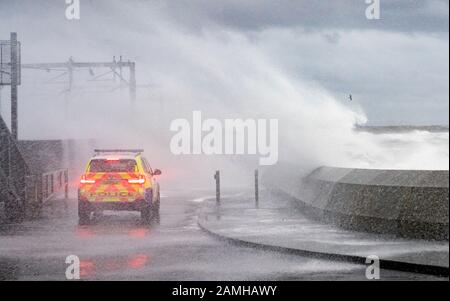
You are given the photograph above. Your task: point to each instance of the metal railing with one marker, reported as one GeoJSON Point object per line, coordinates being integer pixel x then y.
{"type": "Point", "coordinates": [13, 174]}
{"type": "Point", "coordinates": [22, 192]}
{"type": "Point", "coordinates": [54, 183]}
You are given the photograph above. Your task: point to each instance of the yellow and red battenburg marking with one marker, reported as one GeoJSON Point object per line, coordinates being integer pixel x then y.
{"type": "Point", "coordinates": [112, 187]}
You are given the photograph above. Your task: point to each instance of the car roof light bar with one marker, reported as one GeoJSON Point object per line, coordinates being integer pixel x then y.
{"type": "Point", "coordinates": [136, 151]}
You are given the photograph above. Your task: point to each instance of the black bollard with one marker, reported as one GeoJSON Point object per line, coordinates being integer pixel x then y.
{"type": "Point", "coordinates": [256, 188]}
{"type": "Point", "coordinates": [217, 178]}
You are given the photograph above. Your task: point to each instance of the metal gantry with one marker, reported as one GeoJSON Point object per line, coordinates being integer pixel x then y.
{"type": "Point", "coordinates": [115, 67]}
{"type": "Point", "coordinates": [10, 74]}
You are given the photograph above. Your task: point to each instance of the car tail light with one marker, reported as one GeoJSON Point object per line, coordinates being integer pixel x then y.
{"type": "Point", "coordinates": [140, 180]}
{"type": "Point", "coordinates": [84, 180]}
{"type": "Point", "coordinates": [112, 159]}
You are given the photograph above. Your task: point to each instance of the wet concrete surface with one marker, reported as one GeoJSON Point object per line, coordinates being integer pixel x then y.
{"type": "Point", "coordinates": [276, 222]}
{"type": "Point", "coordinates": [118, 246]}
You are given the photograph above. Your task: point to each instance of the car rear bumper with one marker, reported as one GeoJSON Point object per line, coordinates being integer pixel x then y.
{"type": "Point", "coordinates": [127, 206]}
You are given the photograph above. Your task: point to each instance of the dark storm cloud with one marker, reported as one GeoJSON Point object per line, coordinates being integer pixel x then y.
{"type": "Point", "coordinates": [256, 15]}
{"type": "Point", "coordinates": [396, 15]}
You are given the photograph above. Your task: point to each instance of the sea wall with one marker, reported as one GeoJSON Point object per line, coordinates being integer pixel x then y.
{"type": "Point", "coordinates": [411, 203]}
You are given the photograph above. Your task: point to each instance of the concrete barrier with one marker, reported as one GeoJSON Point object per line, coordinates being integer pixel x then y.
{"type": "Point", "coordinates": [401, 202]}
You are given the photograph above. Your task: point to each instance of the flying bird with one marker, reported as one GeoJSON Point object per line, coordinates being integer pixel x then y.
{"type": "Point", "coordinates": [350, 97]}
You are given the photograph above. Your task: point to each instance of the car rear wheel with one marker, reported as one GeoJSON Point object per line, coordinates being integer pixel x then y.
{"type": "Point", "coordinates": [83, 213]}
{"type": "Point", "coordinates": [157, 204]}
{"type": "Point", "coordinates": [146, 213]}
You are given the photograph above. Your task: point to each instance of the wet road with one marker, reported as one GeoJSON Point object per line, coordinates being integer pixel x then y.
{"type": "Point", "coordinates": [117, 246]}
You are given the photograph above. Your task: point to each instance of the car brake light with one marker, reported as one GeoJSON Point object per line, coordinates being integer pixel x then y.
{"type": "Point", "coordinates": [140, 180]}
{"type": "Point", "coordinates": [86, 181]}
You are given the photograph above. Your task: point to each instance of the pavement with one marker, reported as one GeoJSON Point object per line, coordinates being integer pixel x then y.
{"type": "Point", "coordinates": [276, 224]}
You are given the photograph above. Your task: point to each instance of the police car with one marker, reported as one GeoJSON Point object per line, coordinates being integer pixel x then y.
{"type": "Point", "coordinates": [118, 179]}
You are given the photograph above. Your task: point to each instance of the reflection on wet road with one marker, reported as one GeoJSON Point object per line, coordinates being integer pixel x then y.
{"type": "Point", "coordinates": [118, 246]}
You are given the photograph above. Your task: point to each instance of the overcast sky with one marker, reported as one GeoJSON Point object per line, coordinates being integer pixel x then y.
{"type": "Point", "coordinates": [396, 68]}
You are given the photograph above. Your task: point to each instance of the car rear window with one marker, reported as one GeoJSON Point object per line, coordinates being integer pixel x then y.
{"type": "Point", "coordinates": [102, 165]}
